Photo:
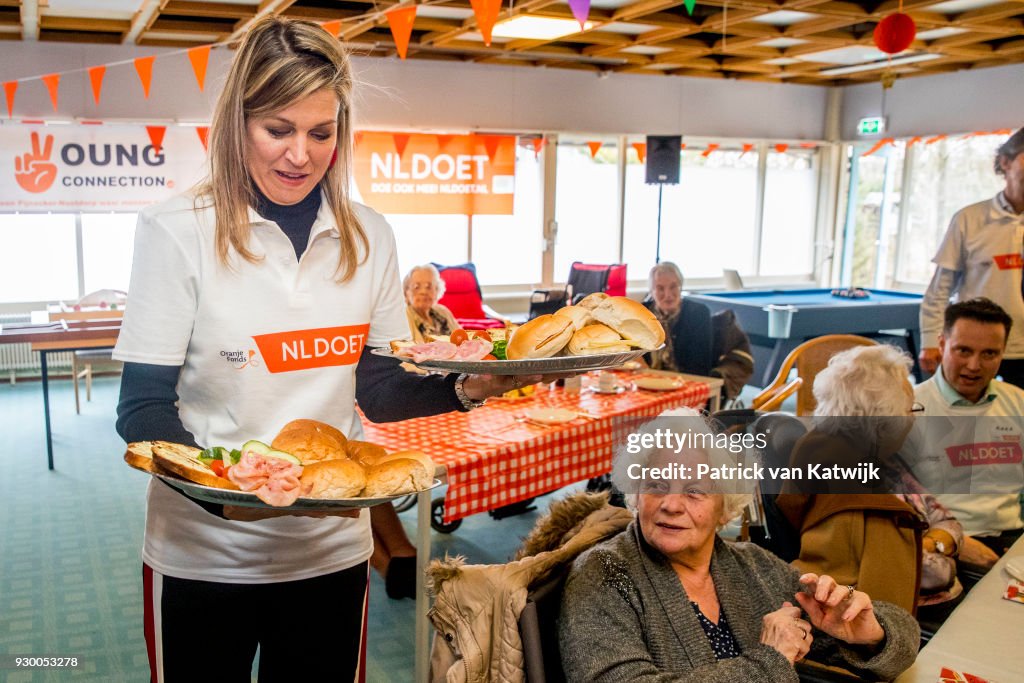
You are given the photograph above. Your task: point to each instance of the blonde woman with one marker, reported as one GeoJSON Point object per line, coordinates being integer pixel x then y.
{"type": "Point", "coordinates": [255, 300]}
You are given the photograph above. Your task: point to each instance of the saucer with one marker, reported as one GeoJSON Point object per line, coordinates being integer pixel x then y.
{"type": "Point", "coordinates": [550, 416]}
{"type": "Point", "coordinates": [617, 390]}
{"type": "Point", "coordinates": [658, 383]}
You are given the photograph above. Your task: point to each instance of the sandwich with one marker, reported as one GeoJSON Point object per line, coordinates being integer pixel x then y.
{"type": "Point", "coordinates": [140, 456]}
{"type": "Point", "coordinates": [337, 478]}
{"type": "Point", "coordinates": [542, 337]}
{"type": "Point", "coordinates": [399, 473]}
{"type": "Point", "coordinates": [364, 452]}
{"type": "Point", "coordinates": [597, 339]}
{"type": "Point", "coordinates": [580, 316]}
{"type": "Point", "coordinates": [310, 441]}
{"type": "Point", "coordinates": [631, 320]}
{"type": "Point", "coordinates": [591, 301]}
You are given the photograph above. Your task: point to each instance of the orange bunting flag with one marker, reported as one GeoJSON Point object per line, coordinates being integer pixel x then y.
{"type": "Point", "coordinates": [401, 140]}
{"type": "Point", "coordinates": [913, 141]}
{"type": "Point", "coordinates": [538, 145]}
{"type": "Point", "coordinates": [486, 12]}
{"type": "Point", "coordinates": [144, 67]}
{"type": "Point", "coordinates": [641, 150]}
{"type": "Point", "coordinates": [156, 136]}
{"type": "Point", "coordinates": [96, 74]}
{"type": "Point", "coordinates": [491, 145]}
{"type": "Point", "coordinates": [401, 21]}
{"type": "Point", "coordinates": [682, 146]}
{"type": "Point", "coordinates": [204, 135]}
{"type": "Point", "coordinates": [594, 146]}
{"type": "Point", "coordinates": [808, 145]}
{"type": "Point", "coordinates": [333, 27]}
{"type": "Point", "coordinates": [747, 147]}
{"type": "Point", "coordinates": [781, 147]}
{"type": "Point", "coordinates": [52, 81]}
{"type": "Point", "coordinates": [10, 87]}
{"type": "Point", "coordinates": [878, 145]}
{"type": "Point", "coordinates": [443, 140]}
{"type": "Point", "coordinates": [935, 139]}
{"type": "Point", "coordinates": [711, 148]}
{"type": "Point", "coordinates": [200, 57]}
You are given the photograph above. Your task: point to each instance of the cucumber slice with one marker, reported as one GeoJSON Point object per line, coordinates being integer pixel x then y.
{"type": "Point", "coordinates": [266, 451]}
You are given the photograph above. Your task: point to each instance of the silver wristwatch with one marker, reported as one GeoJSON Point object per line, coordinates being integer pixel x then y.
{"type": "Point", "coordinates": [460, 393]}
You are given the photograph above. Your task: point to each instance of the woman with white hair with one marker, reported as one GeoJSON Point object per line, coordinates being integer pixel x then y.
{"type": "Point", "coordinates": [667, 598]}
{"type": "Point", "coordinates": [864, 413]}
{"type": "Point", "coordinates": [423, 288]}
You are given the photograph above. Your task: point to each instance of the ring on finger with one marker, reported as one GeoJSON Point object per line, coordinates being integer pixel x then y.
{"type": "Point", "coordinates": [849, 593]}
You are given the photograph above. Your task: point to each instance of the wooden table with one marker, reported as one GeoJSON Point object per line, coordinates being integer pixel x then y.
{"type": "Point", "coordinates": [983, 636]}
{"type": "Point", "coordinates": [61, 335]}
{"type": "Point", "coordinates": [491, 459]}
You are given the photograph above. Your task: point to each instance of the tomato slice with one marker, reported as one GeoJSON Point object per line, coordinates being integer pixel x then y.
{"type": "Point", "coordinates": [458, 336]}
{"type": "Point", "coordinates": [489, 356]}
{"type": "Point", "coordinates": [218, 467]}
{"type": "Point", "coordinates": [481, 334]}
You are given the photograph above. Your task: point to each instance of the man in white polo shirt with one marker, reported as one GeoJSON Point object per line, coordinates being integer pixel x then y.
{"type": "Point", "coordinates": [972, 460]}
{"type": "Point", "coordinates": [980, 256]}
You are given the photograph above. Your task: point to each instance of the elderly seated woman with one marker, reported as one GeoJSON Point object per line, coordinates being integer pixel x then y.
{"type": "Point", "coordinates": [866, 534]}
{"type": "Point", "coordinates": [423, 287]}
{"type": "Point", "coordinates": [668, 600]}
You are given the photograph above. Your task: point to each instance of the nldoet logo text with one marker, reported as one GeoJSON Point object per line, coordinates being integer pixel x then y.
{"type": "Point", "coordinates": [319, 348]}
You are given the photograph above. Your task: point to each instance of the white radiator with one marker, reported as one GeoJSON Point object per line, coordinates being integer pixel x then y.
{"type": "Point", "coordinates": [19, 359]}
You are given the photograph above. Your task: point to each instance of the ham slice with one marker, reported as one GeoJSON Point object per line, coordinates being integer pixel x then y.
{"type": "Point", "coordinates": [273, 480]}
{"type": "Point", "coordinates": [473, 349]}
{"type": "Point", "coordinates": [437, 350]}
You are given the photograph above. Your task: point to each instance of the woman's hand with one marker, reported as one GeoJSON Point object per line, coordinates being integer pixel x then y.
{"type": "Point", "coordinates": [785, 631]}
{"type": "Point", "coordinates": [239, 513]}
{"type": "Point", "coordinates": [840, 611]}
{"type": "Point", "coordinates": [479, 387]}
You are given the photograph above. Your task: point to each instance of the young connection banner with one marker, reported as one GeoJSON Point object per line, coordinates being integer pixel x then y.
{"type": "Point", "coordinates": [408, 173]}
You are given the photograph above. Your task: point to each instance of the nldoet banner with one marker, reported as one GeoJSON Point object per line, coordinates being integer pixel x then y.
{"type": "Point", "coordinates": [94, 168]}
{"type": "Point", "coordinates": [401, 173]}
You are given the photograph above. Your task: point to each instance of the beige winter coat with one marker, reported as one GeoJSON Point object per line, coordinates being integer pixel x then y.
{"type": "Point", "coordinates": [477, 607]}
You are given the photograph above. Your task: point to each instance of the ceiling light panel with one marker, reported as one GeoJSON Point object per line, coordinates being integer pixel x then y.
{"type": "Point", "coordinates": [855, 54]}
{"type": "Point", "coordinates": [646, 50]}
{"type": "Point", "coordinates": [784, 17]}
{"type": "Point", "coordinates": [538, 28]}
{"type": "Point", "coordinates": [782, 42]}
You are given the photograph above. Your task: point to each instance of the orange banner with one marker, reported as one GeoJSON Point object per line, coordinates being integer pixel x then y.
{"type": "Point", "coordinates": [458, 178]}
{"type": "Point", "coordinates": [305, 349]}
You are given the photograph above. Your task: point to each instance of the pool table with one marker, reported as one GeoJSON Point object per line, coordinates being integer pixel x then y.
{"type": "Point", "coordinates": [815, 312]}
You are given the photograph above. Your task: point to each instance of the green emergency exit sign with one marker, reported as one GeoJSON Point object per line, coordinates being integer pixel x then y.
{"type": "Point", "coordinates": [871, 126]}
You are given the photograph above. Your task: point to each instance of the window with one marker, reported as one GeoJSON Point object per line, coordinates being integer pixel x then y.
{"type": "Point", "coordinates": [108, 242]}
{"type": "Point", "coordinates": [586, 205]}
{"type": "Point", "coordinates": [429, 238]}
{"type": "Point", "coordinates": [790, 212]}
{"type": "Point", "coordinates": [41, 262]}
{"type": "Point", "coordinates": [946, 176]}
{"type": "Point", "coordinates": [507, 249]}
{"type": "Point", "coordinates": [872, 217]}
{"type": "Point", "coordinates": [713, 205]}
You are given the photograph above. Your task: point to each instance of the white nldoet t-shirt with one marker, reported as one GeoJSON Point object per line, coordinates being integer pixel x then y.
{"type": "Point", "coordinates": [260, 344]}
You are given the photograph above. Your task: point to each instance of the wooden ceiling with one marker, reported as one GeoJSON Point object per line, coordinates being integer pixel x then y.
{"type": "Point", "coordinates": [821, 42]}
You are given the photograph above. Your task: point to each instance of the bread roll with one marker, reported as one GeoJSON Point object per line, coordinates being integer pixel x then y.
{"type": "Point", "coordinates": [579, 316]}
{"type": "Point", "coordinates": [591, 301]}
{"type": "Point", "coordinates": [597, 339]}
{"type": "Point", "coordinates": [310, 441]}
{"type": "Point", "coordinates": [364, 452]}
{"type": "Point", "coordinates": [542, 337]}
{"type": "Point", "coordinates": [184, 462]}
{"type": "Point", "coordinates": [397, 476]}
{"type": "Point", "coordinates": [631, 320]}
{"type": "Point", "coordinates": [337, 478]}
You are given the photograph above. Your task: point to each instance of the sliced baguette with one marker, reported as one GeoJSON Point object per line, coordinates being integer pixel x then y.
{"type": "Point", "coordinates": [140, 456]}
{"type": "Point", "coordinates": [183, 461]}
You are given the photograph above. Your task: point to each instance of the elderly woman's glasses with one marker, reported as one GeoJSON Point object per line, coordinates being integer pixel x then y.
{"type": "Point", "coordinates": [917, 408]}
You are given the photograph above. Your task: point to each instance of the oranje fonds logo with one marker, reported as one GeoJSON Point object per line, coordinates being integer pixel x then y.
{"type": "Point", "coordinates": [33, 170]}
{"type": "Point", "coordinates": [36, 172]}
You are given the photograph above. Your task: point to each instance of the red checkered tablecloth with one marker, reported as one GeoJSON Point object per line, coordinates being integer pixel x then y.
{"type": "Point", "coordinates": [493, 459]}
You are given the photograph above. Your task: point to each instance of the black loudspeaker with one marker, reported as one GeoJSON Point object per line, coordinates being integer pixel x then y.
{"type": "Point", "coordinates": [663, 159]}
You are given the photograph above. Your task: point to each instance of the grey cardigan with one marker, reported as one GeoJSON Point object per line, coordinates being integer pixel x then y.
{"type": "Point", "coordinates": [626, 617]}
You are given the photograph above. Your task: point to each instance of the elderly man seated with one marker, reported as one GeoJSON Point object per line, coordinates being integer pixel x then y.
{"type": "Point", "coordinates": [696, 342]}
{"type": "Point", "coordinates": [667, 599]}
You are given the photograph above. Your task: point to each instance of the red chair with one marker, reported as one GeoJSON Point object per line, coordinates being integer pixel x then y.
{"type": "Point", "coordinates": [464, 299]}
{"type": "Point", "coordinates": [588, 278]}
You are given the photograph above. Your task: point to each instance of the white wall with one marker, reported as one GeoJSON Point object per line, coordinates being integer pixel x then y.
{"type": "Point", "coordinates": [421, 94]}
{"type": "Point", "coordinates": [959, 102]}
